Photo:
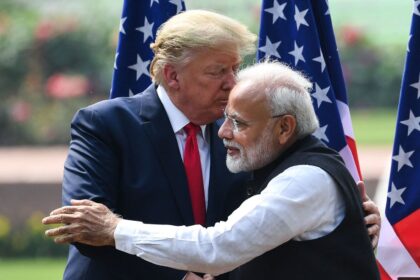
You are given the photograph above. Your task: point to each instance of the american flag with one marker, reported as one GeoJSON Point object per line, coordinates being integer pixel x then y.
{"type": "Point", "coordinates": [139, 22]}
{"type": "Point", "coordinates": [399, 242]}
{"type": "Point", "coordinates": [300, 34]}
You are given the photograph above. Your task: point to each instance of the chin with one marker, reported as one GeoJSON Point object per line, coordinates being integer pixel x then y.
{"type": "Point", "coordinates": [235, 165]}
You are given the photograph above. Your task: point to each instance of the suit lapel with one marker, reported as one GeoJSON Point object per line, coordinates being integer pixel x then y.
{"type": "Point", "coordinates": [218, 177]}
{"type": "Point", "coordinates": [160, 132]}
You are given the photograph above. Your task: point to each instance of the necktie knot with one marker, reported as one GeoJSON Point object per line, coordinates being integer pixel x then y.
{"type": "Point", "coordinates": [191, 129]}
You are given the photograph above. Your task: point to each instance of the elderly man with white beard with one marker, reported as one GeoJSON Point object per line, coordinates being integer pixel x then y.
{"type": "Point", "coordinates": [303, 219]}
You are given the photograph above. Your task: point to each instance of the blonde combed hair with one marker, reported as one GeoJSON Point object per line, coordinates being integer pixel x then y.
{"type": "Point", "coordinates": [181, 35]}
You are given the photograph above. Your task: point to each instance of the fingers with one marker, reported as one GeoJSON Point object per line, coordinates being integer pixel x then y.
{"type": "Point", "coordinates": [373, 223]}
{"type": "Point", "coordinates": [370, 208]}
{"type": "Point", "coordinates": [82, 206]}
{"type": "Point", "coordinates": [192, 276]}
{"type": "Point", "coordinates": [67, 229]}
{"type": "Point", "coordinates": [362, 190]}
{"type": "Point", "coordinates": [85, 202]}
{"type": "Point", "coordinates": [373, 232]}
{"type": "Point", "coordinates": [67, 210]}
{"type": "Point", "coordinates": [77, 205]}
{"type": "Point", "coordinates": [63, 218]}
{"type": "Point", "coordinates": [65, 239]}
{"type": "Point", "coordinates": [374, 241]}
{"type": "Point", "coordinates": [372, 219]}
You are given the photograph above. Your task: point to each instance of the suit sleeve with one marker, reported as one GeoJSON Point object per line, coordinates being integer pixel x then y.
{"type": "Point", "coordinates": [91, 168]}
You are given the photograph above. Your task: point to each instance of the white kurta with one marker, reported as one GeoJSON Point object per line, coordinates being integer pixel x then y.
{"type": "Point", "coordinates": [301, 203]}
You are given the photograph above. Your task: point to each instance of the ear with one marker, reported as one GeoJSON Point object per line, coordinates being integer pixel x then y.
{"type": "Point", "coordinates": [170, 75]}
{"type": "Point", "coordinates": [286, 128]}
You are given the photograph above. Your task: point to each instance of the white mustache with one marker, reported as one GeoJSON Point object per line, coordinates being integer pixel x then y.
{"type": "Point", "coordinates": [231, 144]}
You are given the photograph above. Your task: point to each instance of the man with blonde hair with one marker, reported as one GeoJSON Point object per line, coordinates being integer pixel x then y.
{"type": "Point", "coordinates": [129, 153]}
{"type": "Point", "coordinates": [304, 221]}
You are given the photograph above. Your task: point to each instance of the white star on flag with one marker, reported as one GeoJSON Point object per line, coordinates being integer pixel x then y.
{"type": "Point", "coordinates": [321, 60]}
{"type": "Point", "coordinates": [416, 7]}
{"type": "Point", "coordinates": [297, 53]}
{"type": "Point", "coordinates": [403, 158]}
{"type": "Point", "coordinates": [300, 17]}
{"type": "Point", "coordinates": [395, 195]}
{"type": "Point", "coordinates": [115, 61]}
{"type": "Point", "coordinates": [138, 25]}
{"type": "Point", "coordinates": [277, 11]}
{"type": "Point", "coordinates": [146, 29]}
{"type": "Point", "coordinates": [417, 86]}
{"type": "Point", "coordinates": [178, 4]}
{"type": "Point", "coordinates": [122, 30]}
{"type": "Point", "coordinates": [301, 46]}
{"type": "Point", "coordinates": [140, 67]}
{"type": "Point", "coordinates": [328, 8]}
{"type": "Point", "coordinates": [412, 122]}
{"type": "Point", "coordinates": [320, 95]}
{"type": "Point", "coordinates": [270, 49]}
{"type": "Point", "coordinates": [320, 133]}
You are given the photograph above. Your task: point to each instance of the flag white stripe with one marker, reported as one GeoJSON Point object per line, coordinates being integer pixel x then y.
{"type": "Point", "coordinates": [392, 255]}
{"type": "Point", "coordinates": [345, 116]}
{"type": "Point", "coordinates": [347, 156]}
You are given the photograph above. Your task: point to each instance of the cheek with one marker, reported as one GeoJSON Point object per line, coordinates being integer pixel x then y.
{"type": "Point", "coordinates": [242, 140]}
{"type": "Point", "coordinates": [250, 140]}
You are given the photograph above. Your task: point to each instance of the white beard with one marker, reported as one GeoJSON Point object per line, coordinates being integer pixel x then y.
{"type": "Point", "coordinates": [255, 157]}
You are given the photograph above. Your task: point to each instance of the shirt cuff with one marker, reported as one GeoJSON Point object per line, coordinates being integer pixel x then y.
{"type": "Point", "coordinates": [124, 233]}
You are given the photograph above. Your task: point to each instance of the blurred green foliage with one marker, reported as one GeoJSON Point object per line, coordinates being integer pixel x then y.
{"type": "Point", "coordinates": [374, 127]}
{"type": "Point", "coordinates": [52, 62]}
{"type": "Point", "coordinates": [372, 73]}
{"type": "Point", "coordinates": [28, 240]}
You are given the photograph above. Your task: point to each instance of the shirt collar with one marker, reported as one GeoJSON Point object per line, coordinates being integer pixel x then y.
{"type": "Point", "coordinates": [177, 119]}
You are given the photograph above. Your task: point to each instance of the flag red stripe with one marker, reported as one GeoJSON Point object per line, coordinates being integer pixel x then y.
{"type": "Point", "coordinates": [408, 231]}
{"type": "Point", "coordinates": [352, 145]}
{"type": "Point", "coordinates": [382, 272]}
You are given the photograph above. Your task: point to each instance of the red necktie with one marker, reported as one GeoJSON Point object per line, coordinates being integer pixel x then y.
{"type": "Point", "coordinates": [192, 166]}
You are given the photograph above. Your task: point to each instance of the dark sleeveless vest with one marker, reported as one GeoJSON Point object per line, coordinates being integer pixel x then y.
{"type": "Point", "coordinates": [345, 253]}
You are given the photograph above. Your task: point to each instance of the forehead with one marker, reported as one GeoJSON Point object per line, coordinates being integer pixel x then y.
{"type": "Point", "coordinates": [215, 56]}
{"type": "Point", "coordinates": [247, 101]}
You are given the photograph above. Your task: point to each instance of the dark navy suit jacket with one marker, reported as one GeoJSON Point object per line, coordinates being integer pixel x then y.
{"type": "Point", "coordinates": [124, 153]}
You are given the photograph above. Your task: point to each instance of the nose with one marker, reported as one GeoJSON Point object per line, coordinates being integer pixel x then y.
{"type": "Point", "coordinates": [229, 81]}
{"type": "Point", "coordinates": [225, 131]}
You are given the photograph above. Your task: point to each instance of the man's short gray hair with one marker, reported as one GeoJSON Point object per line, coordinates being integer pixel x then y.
{"type": "Point", "coordinates": [287, 92]}
{"type": "Point", "coordinates": [195, 30]}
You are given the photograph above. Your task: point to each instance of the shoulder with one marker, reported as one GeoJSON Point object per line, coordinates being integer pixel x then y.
{"type": "Point", "coordinates": [130, 104]}
{"type": "Point", "coordinates": [110, 105]}
{"type": "Point", "coordinates": [310, 179]}
{"type": "Point", "coordinates": [121, 108]}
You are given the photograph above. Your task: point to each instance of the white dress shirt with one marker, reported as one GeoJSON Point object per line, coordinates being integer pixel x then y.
{"type": "Point", "coordinates": [178, 120]}
{"type": "Point", "coordinates": [301, 203]}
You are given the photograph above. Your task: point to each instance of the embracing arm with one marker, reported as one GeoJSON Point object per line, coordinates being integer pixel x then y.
{"type": "Point", "coordinates": [260, 224]}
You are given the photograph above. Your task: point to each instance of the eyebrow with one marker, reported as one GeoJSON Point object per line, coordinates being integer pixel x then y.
{"type": "Point", "coordinates": [235, 115]}
{"type": "Point", "coordinates": [215, 67]}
